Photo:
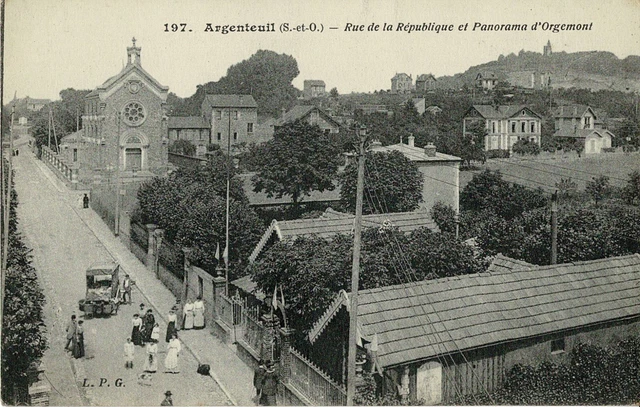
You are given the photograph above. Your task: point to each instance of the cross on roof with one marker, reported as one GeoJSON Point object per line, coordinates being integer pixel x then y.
{"type": "Point", "coordinates": [134, 41]}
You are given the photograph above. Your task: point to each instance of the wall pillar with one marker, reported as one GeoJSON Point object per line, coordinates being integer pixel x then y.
{"type": "Point", "coordinates": [158, 234]}
{"type": "Point", "coordinates": [187, 269]}
{"type": "Point", "coordinates": [285, 354]}
{"type": "Point", "coordinates": [219, 284]}
{"type": "Point", "coordinates": [268, 349]}
{"type": "Point", "coordinates": [150, 263]}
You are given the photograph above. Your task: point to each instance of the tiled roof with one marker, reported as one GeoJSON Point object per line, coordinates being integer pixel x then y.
{"type": "Point", "coordinates": [500, 112]}
{"type": "Point", "coordinates": [505, 264]}
{"type": "Point", "coordinates": [422, 320]}
{"type": "Point", "coordinates": [187, 122]}
{"type": "Point", "coordinates": [128, 69]}
{"type": "Point", "coordinates": [313, 82]}
{"type": "Point", "coordinates": [570, 111]}
{"type": "Point", "coordinates": [425, 77]}
{"type": "Point", "coordinates": [229, 101]}
{"type": "Point", "coordinates": [582, 133]}
{"type": "Point", "coordinates": [301, 111]}
{"type": "Point", "coordinates": [415, 153]}
{"type": "Point", "coordinates": [333, 222]}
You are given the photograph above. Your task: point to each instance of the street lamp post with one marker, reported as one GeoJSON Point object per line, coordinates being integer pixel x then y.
{"type": "Point", "coordinates": [355, 271]}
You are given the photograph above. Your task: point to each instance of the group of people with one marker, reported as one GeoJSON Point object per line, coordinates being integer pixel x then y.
{"type": "Point", "coordinates": [146, 332]}
{"type": "Point", "coordinates": [193, 314]}
{"type": "Point", "coordinates": [75, 337]}
{"type": "Point", "coordinates": [265, 381]}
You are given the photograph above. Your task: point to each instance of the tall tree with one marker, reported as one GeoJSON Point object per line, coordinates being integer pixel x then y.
{"type": "Point", "coordinates": [266, 75]}
{"type": "Point", "coordinates": [598, 188]}
{"type": "Point", "coordinates": [392, 183]}
{"type": "Point", "coordinates": [299, 159]}
{"type": "Point", "coordinates": [24, 338]}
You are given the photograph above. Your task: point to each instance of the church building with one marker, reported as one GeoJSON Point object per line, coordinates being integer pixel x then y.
{"type": "Point", "coordinates": [124, 128]}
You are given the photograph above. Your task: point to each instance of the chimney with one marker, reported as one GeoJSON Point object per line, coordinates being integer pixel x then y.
{"type": "Point", "coordinates": [430, 150]}
{"type": "Point", "coordinates": [412, 141]}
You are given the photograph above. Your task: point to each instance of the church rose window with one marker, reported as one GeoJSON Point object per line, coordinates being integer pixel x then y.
{"type": "Point", "coordinates": [134, 113]}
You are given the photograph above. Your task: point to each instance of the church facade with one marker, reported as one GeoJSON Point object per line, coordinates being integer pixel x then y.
{"type": "Point", "coordinates": [124, 129]}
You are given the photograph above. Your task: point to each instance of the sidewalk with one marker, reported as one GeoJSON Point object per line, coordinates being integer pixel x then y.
{"type": "Point", "coordinates": [233, 376]}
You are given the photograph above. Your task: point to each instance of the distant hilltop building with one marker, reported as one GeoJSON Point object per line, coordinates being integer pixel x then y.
{"type": "Point", "coordinates": [486, 80]}
{"type": "Point", "coordinates": [425, 82]}
{"type": "Point", "coordinates": [547, 49]}
{"type": "Point", "coordinates": [401, 83]}
{"type": "Point", "coordinates": [530, 79]}
{"type": "Point", "coordinates": [314, 88]}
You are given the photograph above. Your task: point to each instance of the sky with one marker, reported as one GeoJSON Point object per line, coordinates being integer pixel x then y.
{"type": "Point", "coordinates": [54, 45]}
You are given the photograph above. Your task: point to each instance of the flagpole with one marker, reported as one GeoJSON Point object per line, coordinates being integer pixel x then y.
{"type": "Point", "coordinates": [355, 272]}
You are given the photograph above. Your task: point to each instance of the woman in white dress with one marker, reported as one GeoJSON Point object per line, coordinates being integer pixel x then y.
{"type": "Point", "coordinates": [198, 314]}
{"type": "Point", "coordinates": [188, 315]}
{"type": "Point", "coordinates": [155, 333]}
{"type": "Point", "coordinates": [151, 365]}
{"type": "Point", "coordinates": [173, 351]}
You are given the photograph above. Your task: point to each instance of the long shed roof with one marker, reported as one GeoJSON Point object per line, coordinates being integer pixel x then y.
{"type": "Point", "coordinates": [421, 320]}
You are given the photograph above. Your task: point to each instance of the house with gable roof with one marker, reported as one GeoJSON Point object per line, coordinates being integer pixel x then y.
{"type": "Point", "coordinates": [584, 124]}
{"type": "Point", "coordinates": [308, 113]}
{"type": "Point", "coordinates": [401, 83]}
{"type": "Point", "coordinates": [436, 340]}
{"type": "Point", "coordinates": [486, 80]}
{"type": "Point", "coordinates": [505, 124]}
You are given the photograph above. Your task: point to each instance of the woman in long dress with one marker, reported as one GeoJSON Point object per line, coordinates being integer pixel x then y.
{"type": "Point", "coordinates": [149, 322]}
{"type": "Point", "coordinates": [173, 351]}
{"type": "Point", "coordinates": [129, 350]}
{"type": "Point", "coordinates": [151, 365]}
{"type": "Point", "coordinates": [188, 315]}
{"type": "Point", "coordinates": [198, 314]}
{"type": "Point", "coordinates": [155, 333]}
{"type": "Point", "coordinates": [171, 326]}
{"type": "Point", "coordinates": [136, 334]}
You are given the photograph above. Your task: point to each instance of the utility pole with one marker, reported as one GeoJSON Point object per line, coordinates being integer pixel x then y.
{"type": "Point", "coordinates": [116, 228]}
{"type": "Point", "coordinates": [554, 228]}
{"type": "Point", "coordinates": [355, 271]}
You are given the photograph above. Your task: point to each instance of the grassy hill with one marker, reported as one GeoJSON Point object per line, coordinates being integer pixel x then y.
{"type": "Point", "coordinates": [595, 70]}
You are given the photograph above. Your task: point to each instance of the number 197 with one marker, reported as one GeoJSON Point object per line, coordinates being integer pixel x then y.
{"type": "Point", "coordinates": [181, 27]}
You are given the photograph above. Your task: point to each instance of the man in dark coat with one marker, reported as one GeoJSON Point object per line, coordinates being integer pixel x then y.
{"type": "Point", "coordinates": [258, 375]}
{"type": "Point", "coordinates": [168, 401]}
{"type": "Point", "coordinates": [269, 386]}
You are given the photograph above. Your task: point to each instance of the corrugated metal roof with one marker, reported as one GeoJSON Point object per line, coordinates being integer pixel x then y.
{"type": "Point", "coordinates": [484, 309]}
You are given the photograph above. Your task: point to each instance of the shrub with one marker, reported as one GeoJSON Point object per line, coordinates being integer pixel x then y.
{"type": "Point", "coordinates": [609, 150]}
{"type": "Point", "coordinates": [526, 147]}
{"type": "Point", "coordinates": [498, 153]}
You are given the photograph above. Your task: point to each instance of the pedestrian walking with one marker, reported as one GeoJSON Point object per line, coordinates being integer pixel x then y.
{"type": "Point", "coordinates": [129, 350]}
{"type": "Point", "coordinates": [198, 313]}
{"type": "Point", "coordinates": [141, 309]}
{"type": "Point", "coordinates": [258, 375]}
{"type": "Point", "coordinates": [71, 333]}
{"type": "Point", "coordinates": [85, 201]}
{"type": "Point", "coordinates": [78, 348]}
{"type": "Point", "coordinates": [136, 332]}
{"type": "Point", "coordinates": [151, 365]}
{"type": "Point", "coordinates": [126, 289]}
{"type": "Point", "coordinates": [168, 401]}
{"type": "Point", "coordinates": [188, 315]}
{"type": "Point", "coordinates": [269, 386]}
{"type": "Point", "coordinates": [173, 351]}
{"type": "Point", "coordinates": [148, 322]}
{"type": "Point", "coordinates": [155, 332]}
{"type": "Point", "coordinates": [171, 326]}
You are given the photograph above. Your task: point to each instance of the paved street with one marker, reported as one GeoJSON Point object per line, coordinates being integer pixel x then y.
{"type": "Point", "coordinates": [63, 247]}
